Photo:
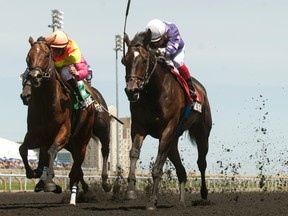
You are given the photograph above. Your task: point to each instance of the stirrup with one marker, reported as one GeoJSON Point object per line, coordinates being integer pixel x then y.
{"type": "Point", "coordinates": [193, 95]}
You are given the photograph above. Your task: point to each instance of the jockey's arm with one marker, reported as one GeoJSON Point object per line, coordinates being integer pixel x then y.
{"type": "Point", "coordinates": [82, 69]}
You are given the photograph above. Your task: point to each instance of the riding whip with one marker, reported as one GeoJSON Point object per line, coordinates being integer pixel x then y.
{"type": "Point", "coordinates": [127, 11]}
{"type": "Point", "coordinates": [108, 112]}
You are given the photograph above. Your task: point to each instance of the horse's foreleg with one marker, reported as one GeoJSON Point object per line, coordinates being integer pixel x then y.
{"type": "Point", "coordinates": [42, 169]}
{"type": "Point", "coordinates": [41, 184]}
{"type": "Point", "coordinates": [50, 185]}
{"type": "Point", "coordinates": [76, 174]}
{"type": "Point", "coordinates": [134, 156]}
{"type": "Point", "coordinates": [43, 161]}
{"type": "Point", "coordinates": [23, 150]}
{"type": "Point", "coordinates": [73, 195]}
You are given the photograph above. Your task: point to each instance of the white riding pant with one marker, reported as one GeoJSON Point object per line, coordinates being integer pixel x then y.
{"type": "Point", "coordinates": [65, 73]}
{"type": "Point", "coordinates": [178, 57]}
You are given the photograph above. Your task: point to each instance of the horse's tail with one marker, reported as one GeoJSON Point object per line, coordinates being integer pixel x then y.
{"type": "Point", "coordinates": [191, 137]}
{"type": "Point", "coordinates": [202, 129]}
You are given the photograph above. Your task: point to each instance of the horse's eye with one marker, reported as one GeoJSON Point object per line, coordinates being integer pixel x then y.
{"type": "Point", "coordinates": [47, 55]}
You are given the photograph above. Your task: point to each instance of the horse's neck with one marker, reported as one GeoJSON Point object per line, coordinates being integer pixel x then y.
{"type": "Point", "coordinates": [154, 87]}
{"type": "Point", "coordinates": [47, 91]}
{"type": "Point", "coordinates": [159, 76]}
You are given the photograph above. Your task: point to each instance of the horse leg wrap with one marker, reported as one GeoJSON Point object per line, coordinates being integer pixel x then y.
{"type": "Point", "coordinates": [73, 195]}
{"type": "Point", "coordinates": [44, 174]}
{"type": "Point", "coordinates": [134, 153]}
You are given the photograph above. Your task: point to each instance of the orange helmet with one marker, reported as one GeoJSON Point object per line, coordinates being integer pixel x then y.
{"type": "Point", "coordinates": [61, 39]}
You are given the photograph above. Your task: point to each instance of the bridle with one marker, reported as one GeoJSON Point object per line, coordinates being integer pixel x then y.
{"type": "Point", "coordinates": [151, 63]}
{"type": "Point", "coordinates": [44, 73]}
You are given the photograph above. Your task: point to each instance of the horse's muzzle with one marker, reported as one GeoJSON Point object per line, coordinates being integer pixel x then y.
{"type": "Point", "coordinates": [132, 94]}
{"type": "Point", "coordinates": [35, 77]}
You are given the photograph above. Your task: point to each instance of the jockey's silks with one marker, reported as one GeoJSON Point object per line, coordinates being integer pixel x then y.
{"type": "Point", "coordinates": [71, 55]}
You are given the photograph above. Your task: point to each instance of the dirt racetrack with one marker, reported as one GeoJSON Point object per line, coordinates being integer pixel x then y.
{"type": "Point", "coordinates": [244, 204]}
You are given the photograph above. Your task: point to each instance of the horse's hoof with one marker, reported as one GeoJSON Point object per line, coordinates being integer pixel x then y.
{"type": "Point", "coordinates": [151, 208]}
{"type": "Point", "coordinates": [107, 187]}
{"type": "Point", "coordinates": [131, 195]}
{"type": "Point", "coordinates": [182, 204]}
{"type": "Point", "coordinates": [50, 187]}
{"type": "Point", "coordinates": [58, 190]}
{"type": "Point", "coordinates": [39, 186]}
{"type": "Point", "coordinates": [151, 205]}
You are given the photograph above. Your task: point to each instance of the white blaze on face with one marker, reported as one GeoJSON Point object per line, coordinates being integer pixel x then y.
{"type": "Point", "coordinates": [38, 49]}
{"type": "Point", "coordinates": [136, 53]}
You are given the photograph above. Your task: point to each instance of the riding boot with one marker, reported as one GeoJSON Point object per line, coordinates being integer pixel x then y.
{"type": "Point", "coordinates": [191, 88]}
{"type": "Point", "coordinates": [184, 72]}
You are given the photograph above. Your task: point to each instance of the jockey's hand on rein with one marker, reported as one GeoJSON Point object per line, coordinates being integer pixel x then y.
{"type": "Point", "coordinates": [160, 52]}
{"type": "Point", "coordinates": [73, 70]}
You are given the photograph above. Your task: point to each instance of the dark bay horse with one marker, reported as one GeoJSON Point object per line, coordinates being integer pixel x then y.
{"type": "Point", "coordinates": [157, 105]}
{"type": "Point", "coordinates": [53, 124]}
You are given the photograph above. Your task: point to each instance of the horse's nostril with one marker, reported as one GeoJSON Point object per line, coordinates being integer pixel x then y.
{"type": "Point", "coordinates": [136, 90]}
{"type": "Point", "coordinates": [39, 76]}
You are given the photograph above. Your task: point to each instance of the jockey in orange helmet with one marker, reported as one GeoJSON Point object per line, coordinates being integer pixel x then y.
{"type": "Point", "coordinates": [70, 63]}
{"type": "Point", "coordinates": [166, 39]}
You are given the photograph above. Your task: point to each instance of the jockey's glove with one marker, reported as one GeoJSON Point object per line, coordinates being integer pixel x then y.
{"type": "Point", "coordinates": [160, 52]}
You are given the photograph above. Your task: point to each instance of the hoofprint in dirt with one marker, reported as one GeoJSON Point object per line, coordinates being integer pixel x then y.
{"type": "Point", "coordinates": [101, 203]}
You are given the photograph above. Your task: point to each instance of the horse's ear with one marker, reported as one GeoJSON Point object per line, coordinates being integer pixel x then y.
{"type": "Point", "coordinates": [147, 38]}
{"type": "Point", "coordinates": [51, 40]}
{"type": "Point", "coordinates": [31, 40]}
{"type": "Point", "coordinates": [126, 39]}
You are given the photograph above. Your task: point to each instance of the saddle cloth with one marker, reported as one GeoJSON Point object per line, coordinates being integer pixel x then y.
{"type": "Point", "coordinates": [183, 83]}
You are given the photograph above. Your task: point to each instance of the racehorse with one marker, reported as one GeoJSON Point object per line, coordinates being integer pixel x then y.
{"type": "Point", "coordinates": [157, 106]}
{"type": "Point", "coordinates": [53, 124]}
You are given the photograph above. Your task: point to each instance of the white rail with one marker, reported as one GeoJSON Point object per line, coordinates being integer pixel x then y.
{"type": "Point", "coordinates": [19, 182]}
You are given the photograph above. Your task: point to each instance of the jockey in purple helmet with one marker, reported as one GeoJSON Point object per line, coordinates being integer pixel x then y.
{"type": "Point", "coordinates": [166, 39]}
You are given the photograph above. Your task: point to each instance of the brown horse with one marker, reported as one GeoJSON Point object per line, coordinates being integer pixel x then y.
{"type": "Point", "coordinates": [157, 105]}
{"type": "Point", "coordinates": [53, 124]}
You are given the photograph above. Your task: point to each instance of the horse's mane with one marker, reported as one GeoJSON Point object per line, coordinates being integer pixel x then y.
{"type": "Point", "coordinates": [41, 38]}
